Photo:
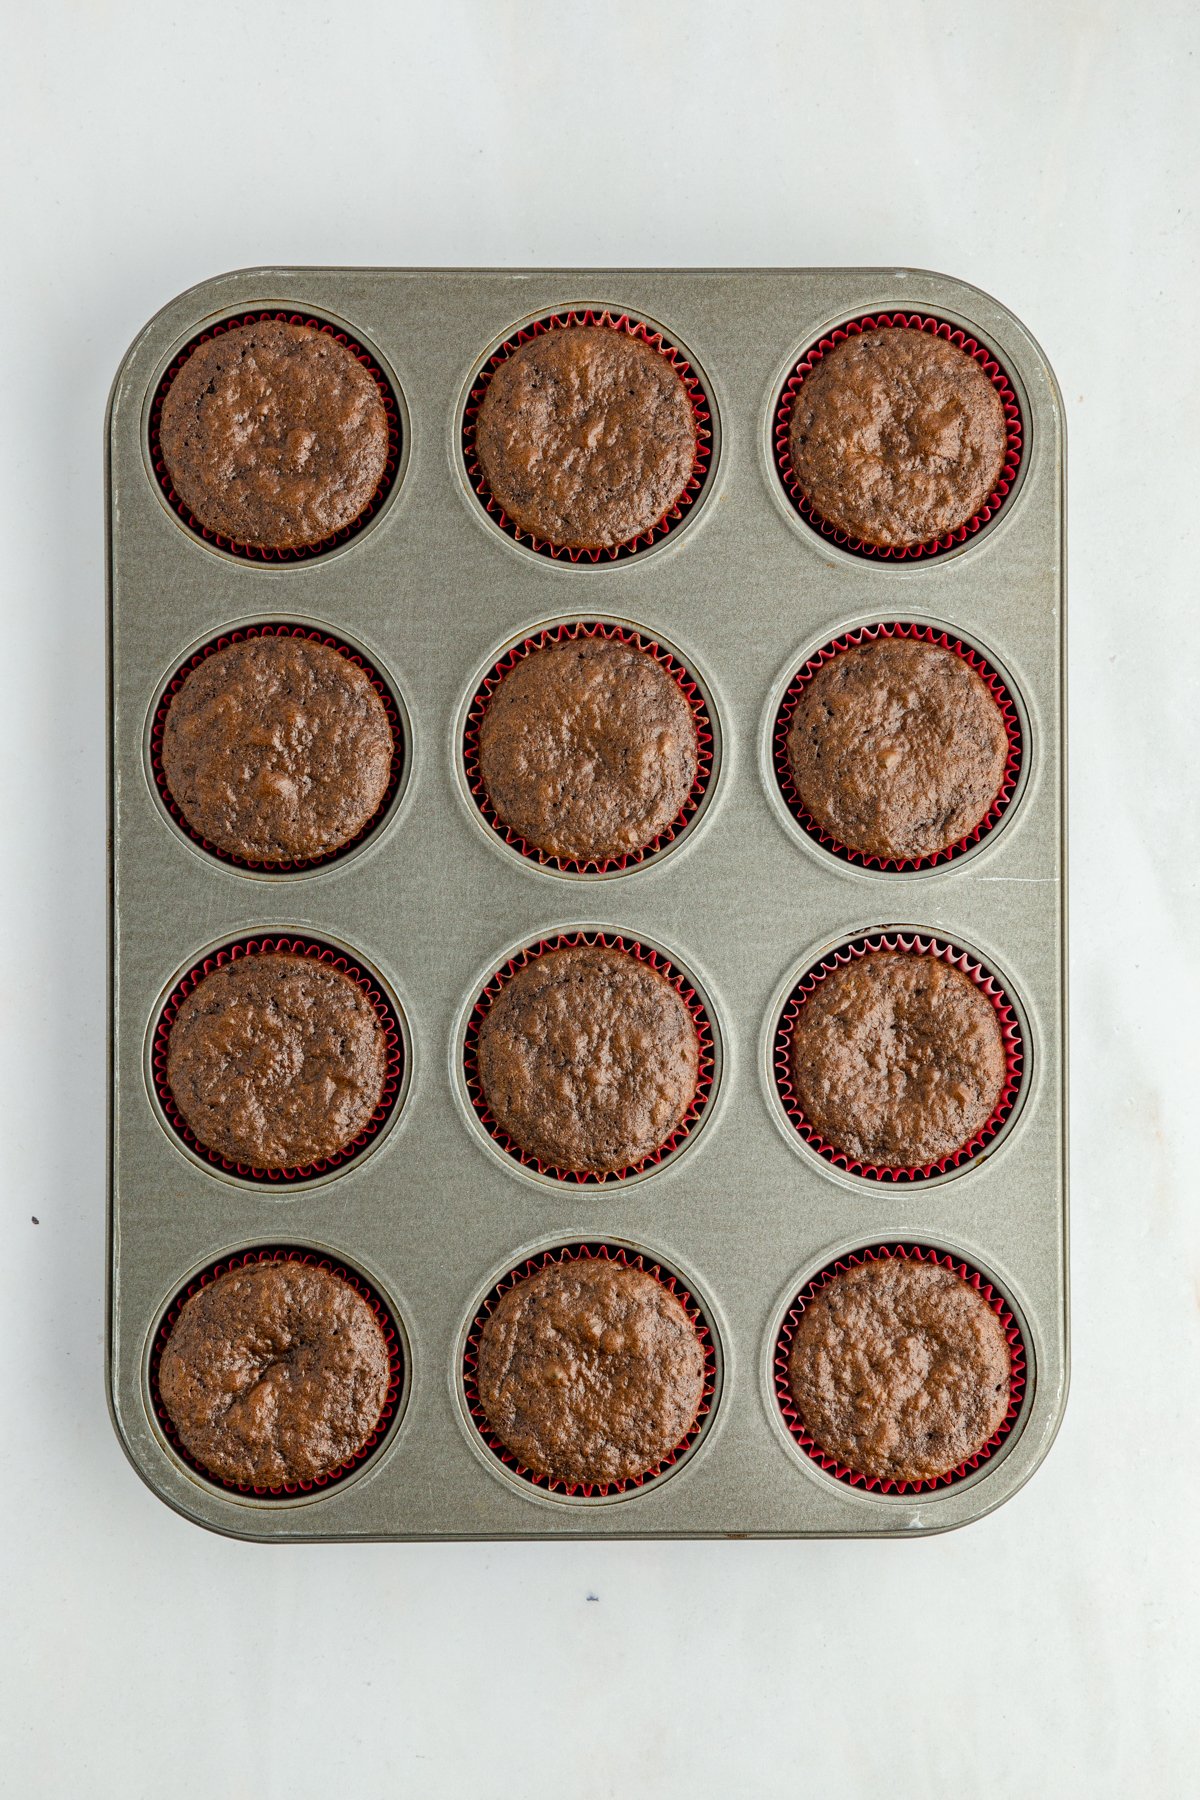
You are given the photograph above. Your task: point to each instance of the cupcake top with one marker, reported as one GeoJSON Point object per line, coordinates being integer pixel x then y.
{"type": "Point", "coordinates": [277, 749]}
{"type": "Point", "coordinates": [900, 1369]}
{"type": "Point", "coordinates": [588, 749]}
{"type": "Point", "coordinates": [896, 747]}
{"type": "Point", "coordinates": [276, 1060]}
{"type": "Point", "coordinates": [274, 435]}
{"type": "Point", "coordinates": [897, 1059]}
{"type": "Point", "coordinates": [586, 436]}
{"type": "Point", "coordinates": [897, 437]}
{"type": "Point", "coordinates": [276, 1372]}
{"type": "Point", "coordinates": [588, 1058]}
{"type": "Point", "coordinates": [590, 1372]}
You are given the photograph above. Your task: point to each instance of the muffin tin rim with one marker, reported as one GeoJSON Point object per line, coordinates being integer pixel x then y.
{"type": "Point", "coordinates": [944, 1244]}
{"type": "Point", "coordinates": [326, 316]}
{"type": "Point", "coordinates": [604, 565]}
{"type": "Point", "coordinates": [370, 1464]}
{"type": "Point", "coordinates": [611, 1185]}
{"type": "Point", "coordinates": [300, 1186]}
{"type": "Point", "coordinates": [682, 839]}
{"type": "Point", "coordinates": [385, 824]}
{"type": "Point", "coordinates": [885, 615]}
{"type": "Point", "coordinates": [867, 1185]}
{"type": "Point", "coordinates": [911, 567]}
{"type": "Point", "coordinates": [584, 1502]}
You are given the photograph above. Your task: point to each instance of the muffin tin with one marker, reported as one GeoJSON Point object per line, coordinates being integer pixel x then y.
{"type": "Point", "coordinates": [433, 1214]}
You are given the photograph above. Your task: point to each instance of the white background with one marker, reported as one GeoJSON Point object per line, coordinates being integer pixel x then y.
{"type": "Point", "coordinates": [1047, 152]}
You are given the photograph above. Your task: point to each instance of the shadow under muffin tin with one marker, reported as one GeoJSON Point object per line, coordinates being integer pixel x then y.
{"type": "Point", "coordinates": [742, 899]}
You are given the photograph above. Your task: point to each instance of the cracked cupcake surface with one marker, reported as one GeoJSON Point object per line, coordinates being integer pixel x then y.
{"type": "Point", "coordinates": [586, 436]}
{"type": "Point", "coordinates": [590, 1372]}
{"type": "Point", "coordinates": [274, 1373]}
{"type": "Point", "coordinates": [588, 749]}
{"type": "Point", "coordinates": [276, 1061]}
{"type": "Point", "coordinates": [897, 748]}
{"type": "Point", "coordinates": [897, 437]}
{"type": "Point", "coordinates": [277, 749]}
{"type": "Point", "coordinates": [900, 1369]}
{"type": "Point", "coordinates": [274, 435]}
{"type": "Point", "coordinates": [897, 1059]}
{"type": "Point", "coordinates": [588, 1059]}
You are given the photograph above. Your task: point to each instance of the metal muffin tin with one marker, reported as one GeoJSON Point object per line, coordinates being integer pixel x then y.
{"type": "Point", "coordinates": [433, 1214]}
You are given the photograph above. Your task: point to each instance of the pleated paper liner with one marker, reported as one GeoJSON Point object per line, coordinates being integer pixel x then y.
{"type": "Point", "coordinates": [953, 334]}
{"type": "Point", "coordinates": [701, 411]}
{"type": "Point", "coordinates": [667, 660]}
{"type": "Point", "coordinates": [298, 864]}
{"type": "Point", "coordinates": [297, 552]}
{"type": "Point", "coordinates": [795, 1423]}
{"type": "Point", "coordinates": [653, 959]}
{"type": "Point", "coordinates": [309, 1259]}
{"type": "Point", "coordinates": [914, 945]}
{"type": "Point", "coordinates": [628, 1259]}
{"type": "Point", "coordinates": [289, 944]}
{"type": "Point", "coordinates": [926, 634]}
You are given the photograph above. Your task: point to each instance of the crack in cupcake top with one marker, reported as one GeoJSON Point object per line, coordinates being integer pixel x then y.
{"type": "Point", "coordinates": [588, 1059]}
{"type": "Point", "coordinates": [275, 1373]}
{"type": "Point", "coordinates": [274, 434]}
{"type": "Point", "coordinates": [897, 437]}
{"type": "Point", "coordinates": [586, 436]}
{"type": "Point", "coordinates": [900, 1370]}
{"type": "Point", "coordinates": [588, 749]}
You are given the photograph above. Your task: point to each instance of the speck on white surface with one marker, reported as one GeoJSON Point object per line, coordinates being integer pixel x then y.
{"type": "Point", "coordinates": [1046, 153]}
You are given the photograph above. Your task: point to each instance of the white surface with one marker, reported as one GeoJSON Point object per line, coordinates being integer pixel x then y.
{"type": "Point", "coordinates": [1047, 153]}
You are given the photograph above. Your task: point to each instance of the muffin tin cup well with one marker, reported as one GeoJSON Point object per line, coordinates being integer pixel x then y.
{"type": "Point", "coordinates": [703, 411]}
{"type": "Point", "coordinates": [547, 1486]}
{"type": "Point", "coordinates": [396, 1080]}
{"type": "Point", "coordinates": [703, 717]}
{"type": "Point", "coordinates": [280, 557]}
{"type": "Point", "coordinates": [312, 633]}
{"type": "Point", "coordinates": [1014, 1034]}
{"type": "Point", "coordinates": [707, 1080]}
{"type": "Point", "coordinates": [937, 327]}
{"type": "Point", "coordinates": [393, 1405]}
{"type": "Point", "coordinates": [1001, 692]}
{"type": "Point", "coordinates": [794, 1423]}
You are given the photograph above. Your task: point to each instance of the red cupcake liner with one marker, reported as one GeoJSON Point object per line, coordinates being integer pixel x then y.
{"type": "Point", "coordinates": [953, 334]}
{"type": "Point", "coordinates": [306, 1258]}
{"type": "Point", "coordinates": [295, 946]}
{"type": "Point", "coordinates": [924, 634]}
{"type": "Point", "coordinates": [293, 865]}
{"type": "Point", "coordinates": [628, 1259]}
{"type": "Point", "coordinates": [701, 410]}
{"type": "Point", "coordinates": [257, 552]}
{"type": "Point", "coordinates": [914, 1253]}
{"type": "Point", "coordinates": [701, 720]}
{"type": "Point", "coordinates": [654, 959]}
{"type": "Point", "coordinates": [985, 981]}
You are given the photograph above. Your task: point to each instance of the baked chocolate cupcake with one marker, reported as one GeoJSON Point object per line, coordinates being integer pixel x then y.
{"type": "Point", "coordinates": [277, 749]}
{"type": "Point", "coordinates": [590, 1372]}
{"type": "Point", "coordinates": [897, 437]}
{"type": "Point", "coordinates": [276, 1061]}
{"type": "Point", "coordinates": [588, 749]}
{"type": "Point", "coordinates": [900, 1370]}
{"type": "Point", "coordinates": [274, 434]}
{"type": "Point", "coordinates": [897, 1059]}
{"type": "Point", "coordinates": [896, 747]}
{"type": "Point", "coordinates": [588, 1059]}
{"type": "Point", "coordinates": [586, 436]}
{"type": "Point", "coordinates": [276, 1372]}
